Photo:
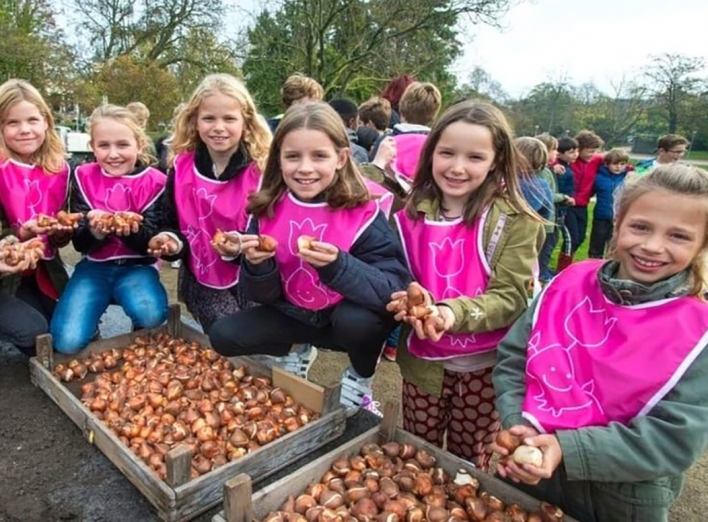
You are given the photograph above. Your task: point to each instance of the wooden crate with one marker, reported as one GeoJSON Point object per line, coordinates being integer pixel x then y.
{"type": "Point", "coordinates": [180, 498]}
{"type": "Point", "coordinates": [241, 505]}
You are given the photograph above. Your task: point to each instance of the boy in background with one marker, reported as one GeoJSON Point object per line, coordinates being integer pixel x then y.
{"type": "Point", "coordinates": [669, 149]}
{"type": "Point", "coordinates": [610, 176]}
{"type": "Point", "coordinates": [584, 171]}
{"type": "Point", "coordinates": [349, 113]}
{"type": "Point", "coordinates": [296, 89]}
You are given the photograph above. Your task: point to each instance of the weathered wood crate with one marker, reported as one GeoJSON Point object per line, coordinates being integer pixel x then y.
{"type": "Point", "coordinates": [180, 499]}
{"type": "Point", "coordinates": [241, 505]}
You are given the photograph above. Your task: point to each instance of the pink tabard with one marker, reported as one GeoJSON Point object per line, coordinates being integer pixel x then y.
{"type": "Point", "coordinates": [447, 258]}
{"type": "Point", "coordinates": [380, 194]}
{"type": "Point", "coordinates": [408, 150]}
{"type": "Point", "coordinates": [205, 205]}
{"type": "Point", "coordinates": [292, 219]}
{"type": "Point", "coordinates": [591, 362]}
{"type": "Point", "coordinates": [118, 194]}
{"type": "Point", "coordinates": [27, 191]}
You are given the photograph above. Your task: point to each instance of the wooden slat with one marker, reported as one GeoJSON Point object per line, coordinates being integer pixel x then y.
{"type": "Point", "coordinates": [204, 492]}
{"type": "Point", "coordinates": [45, 351]}
{"type": "Point", "coordinates": [390, 418]}
{"type": "Point", "coordinates": [237, 499]}
{"type": "Point", "coordinates": [195, 496]}
{"type": "Point", "coordinates": [272, 497]}
{"type": "Point", "coordinates": [179, 466]}
{"type": "Point", "coordinates": [154, 489]}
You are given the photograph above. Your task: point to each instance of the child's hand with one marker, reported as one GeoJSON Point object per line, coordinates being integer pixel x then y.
{"type": "Point", "coordinates": [32, 228]}
{"type": "Point", "coordinates": [227, 244]}
{"type": "Point", "coordinates": [398, 305]}
{"type": "Point", "coordinates": [520, 431]}
{"type": "Point", "coordinates": [570, 201]}
{"type": "Point", "coordinates": [126, 223]}
{"type": "Point", "coordinates": [434, 325]}
{"type": "Point", "coordinates": [99, 222]}
{"type": "Point", "coordinates": [386, 154]}
{"type": "Point", "coordinates": [532, 475]}
{"type": "Point", "coordinates": [250, 246]}
{"type": "Point", "coordinates": [558, 169]}
{"type": "Point", "coordinates": [319, 254]}
{"type": "Point", "coordinates": [162, 245]}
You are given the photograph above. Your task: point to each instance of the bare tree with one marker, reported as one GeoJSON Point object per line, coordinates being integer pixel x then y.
{"type": "Point", "coordinates": [673, 80]}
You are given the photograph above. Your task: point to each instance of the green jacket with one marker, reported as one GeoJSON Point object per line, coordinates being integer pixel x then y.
{"type": "Point", "coordinates": [558, 197]}
{"type": "Point", "coordinates": [506, 298]}
{"type": "Point", "coordinates": [623, 466]}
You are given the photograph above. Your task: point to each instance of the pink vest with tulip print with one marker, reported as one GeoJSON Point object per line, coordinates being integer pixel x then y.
{"type": "Point", "coordinates": [27, 191]}
{"type": "Point", "coordinates": [591, 362]}
{"type": "Point", "coordinates": [292, 219]}
{"type": "Point", "coordinates": [408, 150]}
{"type": "Point", "coordinates": [205, 205]}
{"type": "Point", "coordinates": [380, 194]}
{"type": "Point", "coordinates": [447, 259]}
{"type": "Point", "coordinates": [118, 194]}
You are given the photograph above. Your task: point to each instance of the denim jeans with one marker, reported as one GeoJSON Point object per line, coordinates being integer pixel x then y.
{"type": "Point", "coordinates": [92, 287]}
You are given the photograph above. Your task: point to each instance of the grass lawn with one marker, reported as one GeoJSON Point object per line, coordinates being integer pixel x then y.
{"type": "Point", "coordinates": [697, 155]}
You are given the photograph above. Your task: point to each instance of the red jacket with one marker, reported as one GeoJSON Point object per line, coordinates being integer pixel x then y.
{"type": "Point", "coordinates": [584, 173]}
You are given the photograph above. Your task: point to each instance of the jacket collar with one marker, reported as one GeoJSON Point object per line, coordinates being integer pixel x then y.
{"type": "Point", "coordinates": [624, 292]}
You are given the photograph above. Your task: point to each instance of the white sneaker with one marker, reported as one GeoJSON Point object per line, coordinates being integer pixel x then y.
{"type": "Point", "coordinates": [298, 362]}
{"type": "Point", "coordinates": [356, 393]}
{"type": "Point", "coordinates": [176, 264]}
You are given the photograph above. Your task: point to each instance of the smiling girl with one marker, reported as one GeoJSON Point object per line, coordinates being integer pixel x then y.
{"type": "Point", "coordinates": [116, 267]}
{"type": "Point", "coordinates": [218, 150]}
{"type": "Point", "coordinates": [471, 242]}
{"type": "Point", "coordinates": [615, 393]}
{"type": "Point", "coordinates": [34, 181]}
{"type": "Point", "coordinates": [336, 261]}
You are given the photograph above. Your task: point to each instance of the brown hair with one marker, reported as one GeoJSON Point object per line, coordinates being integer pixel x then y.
{"type": "Point", "coordinates": [501, 181]}
{"type": "Point", "coordinates": [256, 135]}
{"type": "Point", "coordinates": [616, 156]}
{"type": "Point", "coordinates": [587, 139]}
{"type": "Point", "coordinates": [377, 110]}
{"type": "Point", "coordinates": [299, 86]}
{"type": "Point", "coordinates": [50, 156]}
{"type": "Point", "coordinates": [347, 189]}
{"type": "Point", "coordinates": [534, 151]}
{"type": "Point", "coordinates": [126, 117]}
{"type": "Point", "coordinates": [669, 141]}
{"type": "Point", "coordinates": [420, 103]}
{"type": "Point", "coordinates": [684, 180]}
{"type": "Point", "coordinates": [551, 142]}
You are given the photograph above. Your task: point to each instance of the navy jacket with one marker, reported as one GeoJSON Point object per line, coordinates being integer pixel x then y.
{"type": "Point", "coordinates": [606, 184]}
{"type": "Point", "coordinates": [538, 195]}
{"type": "Point", "coordinates": [367, 275]}
{"type": "Point", "coordinates": [566, 183]}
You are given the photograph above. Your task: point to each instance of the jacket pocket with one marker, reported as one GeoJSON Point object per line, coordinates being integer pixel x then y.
{"type": "Point", "coordinates": [646, 501]}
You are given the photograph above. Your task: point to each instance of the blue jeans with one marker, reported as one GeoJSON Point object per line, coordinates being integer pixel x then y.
{"type": "Point", "coordinates": [92, 287]}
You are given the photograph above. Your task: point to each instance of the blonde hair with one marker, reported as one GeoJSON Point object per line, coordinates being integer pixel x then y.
{"type": "Point", "coordinates": [126, 117]}
{"type": "Point", "coordinates": [534, 151]}
{"type": "Point", "coordinates": [256, 135]}
{"type": "Point", "coordinates": [141, 112]}
{"type": "Point", "coordinates": [420, 103]}
{"type": "Point", "coordinates": [50, 155]}
{"type": "Point", "coordinates": [683, 180]}
{"type": "Point", "coordinates": [551, 142]}
{"type": "Point", "coordinates": [299, 86]}
{"type": "Point", "coordinates": [347, 189]}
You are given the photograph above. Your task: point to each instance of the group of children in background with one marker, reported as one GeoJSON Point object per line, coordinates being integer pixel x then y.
{"type": "Point", "coordinates": [441, 230]}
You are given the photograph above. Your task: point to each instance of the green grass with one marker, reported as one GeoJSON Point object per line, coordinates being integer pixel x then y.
{"type": "Point", "coordinates": [697, 155]}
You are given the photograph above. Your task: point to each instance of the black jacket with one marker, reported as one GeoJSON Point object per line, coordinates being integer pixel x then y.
{"type": "Point", "coordinates": [85, 242]}
{"type": "Point", "coordinates": [367, 275]}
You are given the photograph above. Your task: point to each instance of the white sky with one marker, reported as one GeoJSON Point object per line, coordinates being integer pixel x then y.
{"type": "Point", "coordinates": [580, 40]}
{"type": "Point", "coordinates": [597, 40]}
